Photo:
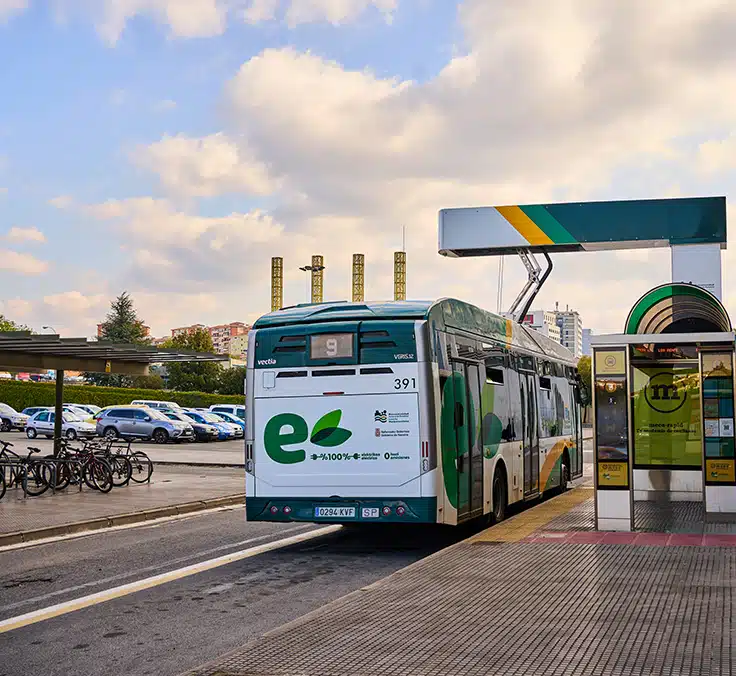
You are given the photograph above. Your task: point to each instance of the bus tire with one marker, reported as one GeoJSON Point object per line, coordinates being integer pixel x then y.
{"type": "Point", "coordinates": [500, 496]}
{"type": "Point", "coordinates": [564, 472]}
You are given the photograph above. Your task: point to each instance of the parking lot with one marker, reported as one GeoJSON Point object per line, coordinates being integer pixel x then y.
{"type": "Point", "coordinates": [220, 453]}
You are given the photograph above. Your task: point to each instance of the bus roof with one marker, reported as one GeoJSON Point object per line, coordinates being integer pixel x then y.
{"type": "Point", "coordinates": [309, 313]}
{"type": "Point", "coordinates": [445, 312]}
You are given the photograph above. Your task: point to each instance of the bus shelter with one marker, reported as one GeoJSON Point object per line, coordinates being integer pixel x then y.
{"type": "Point", "coordinates": [22, 349]}
{"type": "Point", "coordinates": [663, 389]}
{"type": "Point", "coordinates": [663, 402]}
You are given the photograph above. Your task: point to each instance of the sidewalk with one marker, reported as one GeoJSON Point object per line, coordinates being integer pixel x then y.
{"type": "Point", "coordinates": [172, 491]}
{"type": "Point", "coordinates": [541, 593]}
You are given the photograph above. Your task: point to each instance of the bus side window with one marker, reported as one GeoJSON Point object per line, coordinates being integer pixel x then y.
{"type": "Point", "coordinates": [514, 427]}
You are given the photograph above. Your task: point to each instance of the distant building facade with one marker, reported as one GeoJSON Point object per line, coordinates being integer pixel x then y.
{"type": "Point", "coordinates": [186, 330]}
{"type": "Point", "coordinates": [562, 326]}
{"type": "Point", "coordinates": [571, 330]}
{"type": "Point", "coordinates": [544, 322]}
{"type": "Point", "coordinates": [587, 350]}
{"type": "Point", "coordinates": [230, 339]}
{"type": "Point", "coordinates": [223, 334]}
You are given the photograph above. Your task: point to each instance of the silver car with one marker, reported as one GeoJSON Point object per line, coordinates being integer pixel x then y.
{"type": "Point", "coordinates": [10, 419]}
{"type": "Point", "coordinates": [137, 422]}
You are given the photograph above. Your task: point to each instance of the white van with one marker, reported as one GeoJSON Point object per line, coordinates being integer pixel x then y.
{"type": "Point", "coordinates": [233, 409]}
{"type": "Point", "coordinates": [158, 405]}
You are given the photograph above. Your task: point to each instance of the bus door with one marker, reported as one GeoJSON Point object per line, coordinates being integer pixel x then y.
{"type": "Point", "coordinates": [468, 439]}
{"type": "Point", "coordinates": [531, 434]}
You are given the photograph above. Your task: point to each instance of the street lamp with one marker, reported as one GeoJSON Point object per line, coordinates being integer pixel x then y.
{"type": "Point", "coordinates": [49, 328]}
{"type": "Point", "coordinates": [310, 268]}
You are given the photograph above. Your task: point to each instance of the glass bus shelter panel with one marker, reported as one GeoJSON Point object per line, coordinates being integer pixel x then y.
{"type": "Point", "coordinates": [666, 417]}
{"type": "Point", "coordinates": [718, 419]}
{"type": "Point", "coordinates": [611, 435]}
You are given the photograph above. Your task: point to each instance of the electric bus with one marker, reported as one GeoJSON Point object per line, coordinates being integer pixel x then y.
{"type": "Point", "coordinates": [413, 412]}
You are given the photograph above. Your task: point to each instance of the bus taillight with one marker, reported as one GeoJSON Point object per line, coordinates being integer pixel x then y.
{"type": "Point", "coordinates": [400, 510]}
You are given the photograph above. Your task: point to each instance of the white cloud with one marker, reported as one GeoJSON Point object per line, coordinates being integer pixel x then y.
{"type": "Point", "coordinates": [546, 103]}
{"type": "Point", "coordinates": [717, 155]}
{"type": "Point", "coordinates": [334, 11]}
{"type": "Point", "coordinates": [208, 18]}
{"type": "Point", "coordinates": [62, 201]}
{"type": "Point", "coordinates": [10, 7]}
{"type": "Point", "coordinates": [184, 18]}
{"type": "Point", "coordinates": [16, 234]}
{"type": "Point", "coordinates": [16, 309]}
{"type": "Point", "coordinates": [24, 264]}
{"type": "Point", "coordinates": [543, 102]}
{"type": "Point", "coordinates": [260, 10]}
{"type": "Point", "coordinates": [202, 167]}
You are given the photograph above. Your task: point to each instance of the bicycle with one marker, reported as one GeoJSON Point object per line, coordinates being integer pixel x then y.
{"type": "Point", "coordinates": [141, 465]}
{"type": "Point", "coordinates": [81, 465]}
{"type": "Point", "coordinates": [35, 475]}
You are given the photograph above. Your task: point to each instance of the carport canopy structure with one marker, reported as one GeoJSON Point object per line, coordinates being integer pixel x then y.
{"type": "Point", "coordinates": [22, 349]}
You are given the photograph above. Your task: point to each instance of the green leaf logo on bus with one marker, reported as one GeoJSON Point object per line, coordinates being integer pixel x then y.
{"type": "Point", "coordinates": [326, 433]}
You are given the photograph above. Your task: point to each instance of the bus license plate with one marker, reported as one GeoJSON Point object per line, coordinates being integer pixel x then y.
{"type": "Point", "coordinates": [339, 512]}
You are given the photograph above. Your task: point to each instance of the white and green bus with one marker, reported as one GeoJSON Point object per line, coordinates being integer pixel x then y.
{"type": "Point", "coordinates": [404, 412]}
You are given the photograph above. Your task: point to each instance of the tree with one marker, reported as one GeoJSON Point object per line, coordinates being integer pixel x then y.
{"type": "Point", "coordinates": [232, 380]}
{"type": "Point", "coordinates": [152, 381]}
{"type": "Point", "coordinates": [120, 326]}
{"type": "Point", "coordinates": [8, 325]}
{"type": "Point", "coordinates": [584, 369]}
{"type": "Point", "coordinates": [193, 377]}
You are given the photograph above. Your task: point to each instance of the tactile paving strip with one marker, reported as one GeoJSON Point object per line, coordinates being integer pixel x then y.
{"type": "Point", "coordinates": [580, 518]}
{"type": "Point", "coordinates": [519, 609]}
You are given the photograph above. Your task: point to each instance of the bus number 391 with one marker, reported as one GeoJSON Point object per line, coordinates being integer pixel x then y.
{"type": "Point", "coordinates": [404, 383]}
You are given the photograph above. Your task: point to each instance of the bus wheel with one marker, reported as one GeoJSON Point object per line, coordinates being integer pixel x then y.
{"type": "Point", "coordinates": [499, 498]}
{"type": "Point", "coordinates": [564, 476]}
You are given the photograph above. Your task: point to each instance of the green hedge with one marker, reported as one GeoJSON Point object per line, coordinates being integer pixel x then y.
{"type": "Point", "coordinates": [20, 395]}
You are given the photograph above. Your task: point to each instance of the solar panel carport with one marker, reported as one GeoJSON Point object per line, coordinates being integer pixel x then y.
{"type": "Point", "coordinates": [22, 349]}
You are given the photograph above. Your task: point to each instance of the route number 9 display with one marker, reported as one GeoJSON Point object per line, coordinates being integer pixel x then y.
{"type": "Point", "coordinates": [331, 346]}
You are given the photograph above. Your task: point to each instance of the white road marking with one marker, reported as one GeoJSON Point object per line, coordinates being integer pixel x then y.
{"type": "Point", "coordinates": [111, 529]}
{"type": "Point", "coordinates": [146, 569]}
{"type": "Point", "coordinates": [116, 592]}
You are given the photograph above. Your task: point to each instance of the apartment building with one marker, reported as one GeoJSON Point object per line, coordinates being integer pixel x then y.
{"type": "Point", "coordinates": [571, 330]}
{"type": "Point", "coordinates": [184, 330]}
{"type": "Point", "coordinates": [223, 334]}
{"type": "Point", "coordinates": [544, 322]}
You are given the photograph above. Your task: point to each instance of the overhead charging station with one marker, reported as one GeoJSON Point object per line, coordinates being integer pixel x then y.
{"type": "Point", "coordinates": [663, 389]}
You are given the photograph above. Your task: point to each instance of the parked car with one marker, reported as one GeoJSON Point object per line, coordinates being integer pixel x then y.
{"type": "Point", "coordinates": [158, 405]}
{"type": "Point", "coordinates": [226, 430]}
{"type": "Point", "coordinates": [74, 410]}
{"type": "Point", "coordinates": [202, 431]}
{"type": "Point", "coordinates": [237, 410]}
{"type": "Point", "coordinates": [72, 427]}
{"type": "Point", "coordinates": [232, 419]}
{"type": "Point", "coordinates": [91, 409]}
{"type": "Point", "coordinates": [140, 422]}
{"type": "Point", "coordinates": [10, 419]}
{"type": "Point", "coordinates": [32, 410]}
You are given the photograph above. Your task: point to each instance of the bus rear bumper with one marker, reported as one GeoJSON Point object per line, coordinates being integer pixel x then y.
{"type": "Point", "coordinates": [345, 510]}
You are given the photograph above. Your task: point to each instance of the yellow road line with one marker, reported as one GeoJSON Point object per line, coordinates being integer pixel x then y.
{"type": "Point", "coordinates": [123, 590]}
{"type": "Point", "coordinates": [522, 525]}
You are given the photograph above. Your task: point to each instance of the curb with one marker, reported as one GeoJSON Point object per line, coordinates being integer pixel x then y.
{"type": "Point", "coordinates": [172, 463]}
{"type": "Point", "coordinates": [101, 523]}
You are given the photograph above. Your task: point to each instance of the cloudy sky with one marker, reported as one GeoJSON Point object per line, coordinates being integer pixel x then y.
{"type": "Point", "coordinates": [171, 147]}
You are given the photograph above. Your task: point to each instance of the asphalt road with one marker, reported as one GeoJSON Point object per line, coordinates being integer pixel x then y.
{"type": "Point", "coordinates": [178, 625]}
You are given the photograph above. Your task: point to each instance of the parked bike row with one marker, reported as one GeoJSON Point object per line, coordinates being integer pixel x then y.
{"type": "Point", "coordinates": [99, 465]}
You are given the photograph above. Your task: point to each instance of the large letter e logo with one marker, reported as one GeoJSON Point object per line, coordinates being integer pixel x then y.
{"type": "Point", "coordinates": [274, 439]}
